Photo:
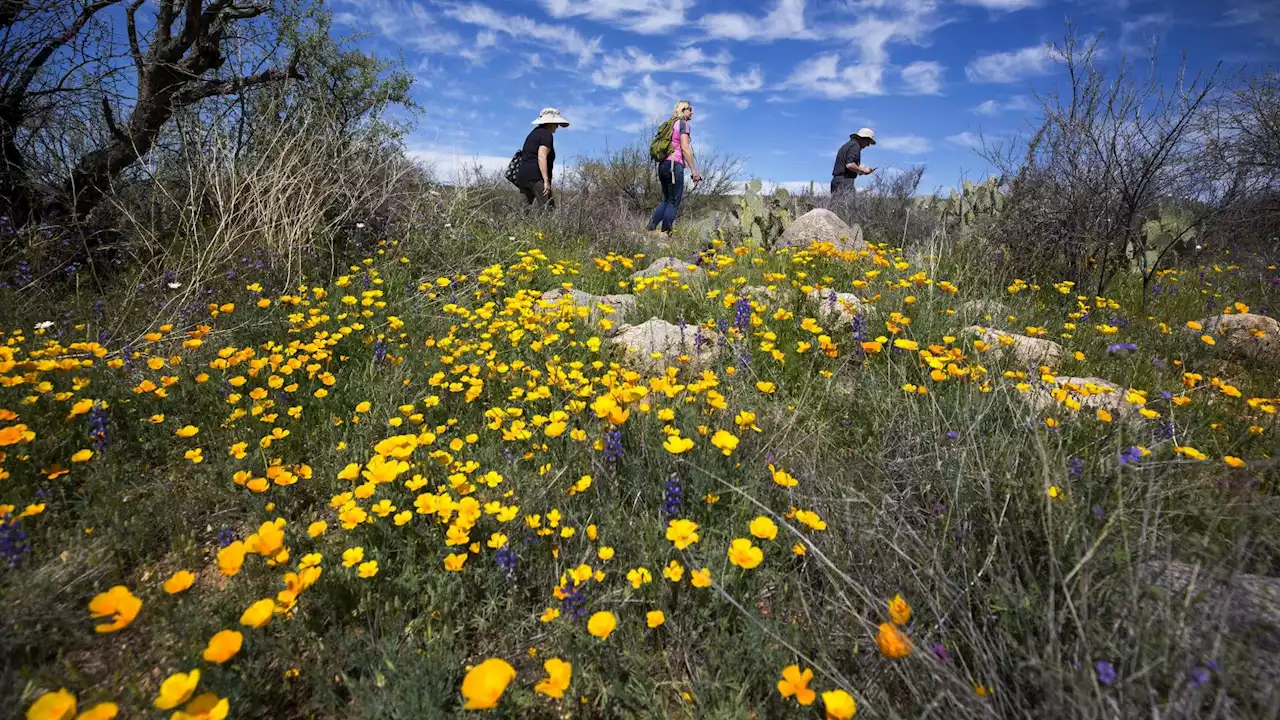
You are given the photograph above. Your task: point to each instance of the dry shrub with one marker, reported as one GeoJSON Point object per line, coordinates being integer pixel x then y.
{"type": "Point", "coordinates": [296, 197]}
{"type": "Point", "coordinates": [887, 209]}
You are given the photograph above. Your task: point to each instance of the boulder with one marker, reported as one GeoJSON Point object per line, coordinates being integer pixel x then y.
{"type": "Point", "coordinates": [1224, 614]}
{"type": "Point", "coordinates": [1091, 392]}
{"type": "Point", "coordinates": [1028, 351]}
{"type": "Point", "coordinates": [672, 266]}
{"type": "Point", "coordinates": [622, 305]}
{"type": "Point", "coordinates": [776, 293]}
{"type": "Point", "coordinates": [843, 306]}
{"type": "Point", "coordinates": [992, 311]}
{"type": "Point", "coordinates": [655, 335]}
{"type": "Point", "coordinates": [1247, 336]}
{"type": "Point", "coordinates": [823, 226]}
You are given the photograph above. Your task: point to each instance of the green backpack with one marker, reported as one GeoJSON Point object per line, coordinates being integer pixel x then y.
{"type": "Point", "coordinates": [661, 147]}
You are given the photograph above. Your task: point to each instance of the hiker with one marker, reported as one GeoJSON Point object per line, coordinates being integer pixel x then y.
{"type": "Point", "coordinates": [538, 160]}
{"type": "Point", "coordinates": [849, 162]}
{"type": "Point", "coordinates": [671, 169]}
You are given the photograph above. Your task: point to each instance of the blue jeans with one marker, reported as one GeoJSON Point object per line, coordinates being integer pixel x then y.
{"type": "Point", "coordinates": [671, 175]}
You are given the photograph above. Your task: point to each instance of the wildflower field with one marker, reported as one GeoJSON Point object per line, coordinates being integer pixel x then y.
{"type": "Point", "coordinates": [404, 494]}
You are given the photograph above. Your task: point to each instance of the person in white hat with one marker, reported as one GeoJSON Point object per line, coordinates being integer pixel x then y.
{"type": "Point", "coordinates": [538, 159]}
{"type": "Point", "coordinates": [849, 162]}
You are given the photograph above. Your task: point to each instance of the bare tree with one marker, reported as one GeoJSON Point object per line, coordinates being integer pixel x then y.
{"type": "Point", "coordinates": [61, 58]}
{"type": "Point", "coordinates": [1108, 153]}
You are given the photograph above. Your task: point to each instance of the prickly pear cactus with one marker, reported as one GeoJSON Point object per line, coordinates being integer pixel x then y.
{"type": "Point", "coordinates": [975, 204]}
{"type": "Point", "coordinates": [760, 218]}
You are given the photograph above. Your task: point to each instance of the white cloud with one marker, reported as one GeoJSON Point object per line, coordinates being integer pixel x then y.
{"type": "Point", "coordinates": [553, 37]}
{"type": "Point", "coordinates": [617, 68]}
{"type": "Point", "coordinates": [404, 22]}
{"type": "Point", "coordinates": [823, 75]}
{"type": "Point", "coordinates": [1137, 34]}
{"type": "Point", "coordinates": [988, 107]}
{"type": "Point", "coordinates": [1012, 66]}
{"type": "Point", "coordinates": [905, 144]}
{"type": "Point", "coordinates": [923, 78]}
{"type": "Point", "coordinates": [457, 166]}
{"type": "Point", "coordinates": [649, 17]}
{"type": "Point", "coordinates": [651, 100]}
{"type": "Point", "coordinates": [995, 107]}
{"type": "Point", "coordinates": [1004, 5]}
{"type": "Point", "coordinates": [879, 23]}
{"type": "Point", "coordinates": [786, 20]}
{"type": "Point", "coordinates": [965, 139]}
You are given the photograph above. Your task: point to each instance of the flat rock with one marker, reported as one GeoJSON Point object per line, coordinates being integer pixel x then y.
{"type": "Point", "coordinates": [1026, 350]}
{"type": "Point", "coordinates": [776, 293]}
{"type": "Point", "coordinates": [1240, 612]}
{"type": "Point", "coordinates": [1092, 393]}
{"type": "Point", "coordinates": [992, 311]}
{"type": "Point", "coordinates": [843, 306]}
{"type": "Point", "coordinates": [622, 305]}
{"type": "Point", "coordinates": [823, 226]}
{"type": "Point", "coordinates": [671, 265]}
{"type": "Point", "coordinates": [655, 335]}
{"type": "Point", "coordinates": [1247, 336]}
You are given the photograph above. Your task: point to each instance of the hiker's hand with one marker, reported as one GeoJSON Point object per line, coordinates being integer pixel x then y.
{"type": "Point", "coordinates": [697, 177]}
{"type": "Point", "coordinates": [546, 189]}
{"type": "Point", "coordinates": [868, 171]}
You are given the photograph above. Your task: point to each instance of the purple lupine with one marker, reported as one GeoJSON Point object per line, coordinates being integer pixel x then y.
{"type": "Point", "coordinates": [98, 422]}
{"type": "Point", "coordinates": [742, 314]}
{"type": "Point", "coordinates": [1130, 456]}
{"type": "Point", "coordinates": [673, 496]}
{"type": "Point", "coordinates": [1075, 466]}
{"type": "Point", "coordinates": [14, 542]}
{"type": "Point", "coordinates": [574, 604]}
{"type": "Point", "coordinates": [613, 445]}
{"type": "Point", "coordinates": [506, 560]}
{"type": "Point", "coordinates": [1106, 672]}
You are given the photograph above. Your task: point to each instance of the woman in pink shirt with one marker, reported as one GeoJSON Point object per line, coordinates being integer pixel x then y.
{"type": "Point", "coordinates": [671, 170]}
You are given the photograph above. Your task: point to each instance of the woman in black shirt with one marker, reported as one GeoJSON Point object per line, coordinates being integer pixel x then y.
{"type": "Point", "coordinates": [538, 159]}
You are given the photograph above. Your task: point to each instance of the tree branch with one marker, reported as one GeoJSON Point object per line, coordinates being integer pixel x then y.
{"type": "Point", "coordinates": [131, 28]}
{"type": "Point", "coordinates": [211, 88]}
{"type": "Point", "coordinates": [164, 21]}
{"type": "Point", "coordinates": [37, 62]}
{"type": "Point", "coordinates": [110, 118]}
{"type": "Point", "coordinates": [9, 10]}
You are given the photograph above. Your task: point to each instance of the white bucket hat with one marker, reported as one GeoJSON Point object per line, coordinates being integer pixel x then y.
{"type": "Point", "coordinates": [867, 133]}
{"type": "Point", "coordinates": [551, 116]}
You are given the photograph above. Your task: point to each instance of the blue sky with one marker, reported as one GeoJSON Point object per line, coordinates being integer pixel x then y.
{"type": "Point", "coordinates": [781, 83]}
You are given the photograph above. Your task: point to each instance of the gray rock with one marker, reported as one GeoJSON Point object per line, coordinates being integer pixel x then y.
{"type": "Point", "coordinates": [1240, 612]}
{"type": "Point", "coordinates": [622, 305]}
{"type": "Point", "coordinates": [776, 293]}
{"type": "Point", "coordinates": [823, 226]}
{"type": "Point", "coordinates": [1092, 393]}
{"type": "Point", "coordinates": [992, 311]}
{"type": "Point", "coordinates": [672, 265]}
{"type": "Point", "coordinates": [1028, 351]}
{"type": "Point", "coordinates": [843, 306]}
{"type": "Point", "coordinates": [1246, 336]}
{"type": "Point", "coordinates": [639, 342]}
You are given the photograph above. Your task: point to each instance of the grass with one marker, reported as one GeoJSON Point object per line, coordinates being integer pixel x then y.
{"type": "Point", "coordinates": [1025, 602]}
